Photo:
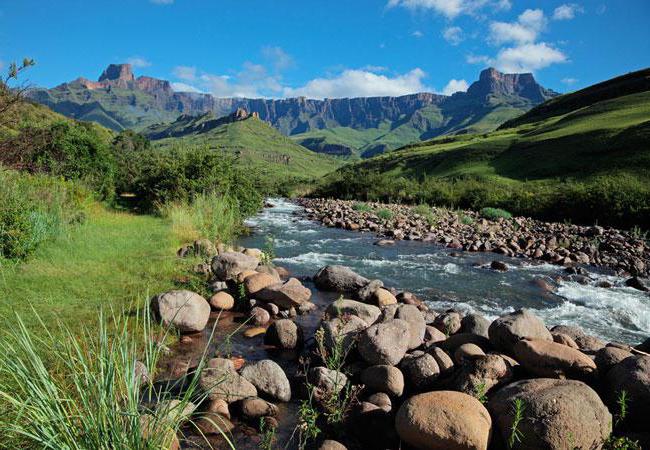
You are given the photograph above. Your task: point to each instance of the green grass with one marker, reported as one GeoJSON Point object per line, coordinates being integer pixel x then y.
{"type": "Point", "coordinates": [112, 260]}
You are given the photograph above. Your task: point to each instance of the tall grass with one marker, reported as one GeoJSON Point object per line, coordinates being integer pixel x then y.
{"type": "Point", "coordinates": [60, 391]}
{"type": "Point", "coordinates": [209, 215]}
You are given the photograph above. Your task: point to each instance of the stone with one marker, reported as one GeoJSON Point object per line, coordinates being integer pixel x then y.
{"type": "Point", "coordinates": [384, 343]}
{"type": "Point", "coordinates": [253, 408]}
{"type": "Point", "coordinates": [411, 314]}
{"type": "Point", "coordinates": [253, 252]}
{"type": "Point", "coordinates": [219, 406]}
{"type": "Point", "coordinates": [342, 333]}
{"type": "Point", "coordinates": [149, 425]}
{"type": "Point", "coordinates": [637, 283]}
{"type": "Point", "coordinates": [550, 359]}
{"type": "Point", "coordinates": [467, 352]}
{"type": "Point", "coordinates": [269, 379]}
{"type": "Point", "coordinates": [381, 399]}
{"type": "Point", "coordinates": [454, 341]}
{"type": "Point", "coordinates": [475, 324]}
{"type": "Point", "coordinates": [285, 334]}
{"type": "Point", "coordinates": [382, 297]}
{"type": "Point", "coordinates": [286, 295]}
{"type": "Point", "coordinates": [366, 293]}
{"type": "Point", "coordinates": [185, 310]}
{"type": "Point", "coordinates": [258, 316]}
{"type": "Point", "coordinates": [175, 410]}
{"type": "Point", "coordinates": [420, 370]}
{"type": "Point", "coordinates": [368, 313]}
{"type": "Point", "coordinates": [448, 322]}
{"type": "Point", "coordinates": [558, 414]}
{"type": "Point", "coordinates": [499, 266]}
{"type": "Point", "coordinates": [254, 331]}
{"type": "Point", "coordinates": [213, 423]}
{"type": "Point", "coordinates": [384, 378]}
{"type": "Point", "coordinates": [444, 361]}
{"type": "Point", "coordinates": [329, 444]}
{"type": "Point", "coordinates": [339, 279]}
{"type": "Point", "coordinates": [222, 301]}
{"type": "Point", "coordinates": [444, 420]}
{"type": "Point", "coordinates": [632, 375]}
{"type": "Point", "coordinates": [432, 335]}
{"type": "Point", "coordinates": [608, 357]}
{"type": "Point", "coordinates": [141, 373]}
{"type": "Point", "coordinates": [220, 381]}
{"type": "Point", "coordinates": [564, 339]}
{"type": "Point", "coordinates": [205, 248]}
{"type": "Point", "coordinates": [226, 266]}
{"type": "Point", "coordinates": [479, 375]}
{"type": "Point", "coordinates": [507, 330]}
{"type": "Point", "coordinates": [244, 274]}
{"type": "Point", "coordinates": [327, 381]}
{"type": "Point", "coordinates": [258, 281]}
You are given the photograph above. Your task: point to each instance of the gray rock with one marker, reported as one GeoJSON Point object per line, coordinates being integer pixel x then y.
{"type": "Point", "coordinates": [228, 265]}
{"type": "Point", "coordinates": [479, 375]}
{"type": "Point", "coordinates": [475, 324]}
{"type": "Point", "coordinates": [185, 310]}
{"type": "Point", "coordinates": [327, 381]}
{"type": "Point", "coordinates": [366, 293]}
{"type": "Point", "coordinates": [368, 313]}
{"type": "Point", "coordinates": [385, 343]}
{"type": "Point", "coordinates": [254, 408]}
{"type": "Point", "coordinates": [383, 378]}
{"type": "Point", "coordinates": [411, 314]}
{"type": "Point", "coordinates": [444, 361]}
{"type": "Point", "coordinates": [284, 333]}
{"type": "Point", "coordinates": [289, 294]}
{"type": "Point", "coordinates": [259, 316]}
{"type": "Point", "coordinates": [269, 379]}
{"type": "Point", "coordinates": [448, 322]}
{"type": "Point", "coordinates": [339, 279]}
{"type": "Point", "coordinates": [220, 381]}
{"type": "Point", "coordinates": [420, 370]}
{"type": "Point", "coordinates": [342, 333]}
{"type": "Point", "coordinates": [608, 357]}
{"type": "Point", "coordinates": [507, 330]}
{"type": "Point", "coordinates": [632, 375]}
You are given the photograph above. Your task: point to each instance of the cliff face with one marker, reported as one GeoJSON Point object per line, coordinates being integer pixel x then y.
{"type": "Point", "coordinates": [119, 100]}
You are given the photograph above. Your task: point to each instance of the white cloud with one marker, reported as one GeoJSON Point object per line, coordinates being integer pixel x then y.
{"type": "Point", "coordinates": [478, 59]}
{"type": "Point", "coordinates": [453, 35]}
{"type": "Point", "coordinates": [569, 81]}
{"type": "Point", "coordinates": [371, 68]}
{"type": "Point", "coordinates": [360, 83]}
{"type": "Point", "coordinates": [138, 62]}
{"type": "Point", "coordinates": [567, 11]}
{"type": "Point", "coordinates": [528, 57]}
{"type": "Point", "coordinates": [455, 86]}
{"type": "Point", "coordinates": [183, 87]}
{"type": "Point", "coordinates": [162, 2]}
{"type": "Point", "coordinates": [528, 26]}
{"type": "Point", "coordinates": [280, 59]}
{"type": "Point", "coordinates": [186, 73]}
{"type": "Point", "coordinates": [417, 34]}
{"type": "Point", "coordinates": [451, 8]}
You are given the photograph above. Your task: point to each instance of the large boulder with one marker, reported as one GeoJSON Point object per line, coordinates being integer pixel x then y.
{"type": "Point", "coordinates": [368, 313]}
{"type": "Point", "coordinates": [269, 379]}
{"type": "Point", "coordinates": [226, 266]}
{"type": "Point", "coordinates": [608, 357]}
{"type": "Point", "coordinates": [412, 315]}
{"type": "Point", "coordinates": [340, 334]}
{"type": "Point", "coordinates": [383, 378]}
{"type": "Point", "coordinates": [253, 408]}
{"type": "Point", "coordinates": [365, 293]}
{"type": "Point", "coordinates": [258, 281]}
{"type": "Point", "coordinates": [550, 359]}
{"type": "Point", "coordinates": [286, 295]}
{"type": "Point", "coordinates": [632, 375]}
{"type": "Point", "coordinates": [339, 279]}
{"type": "Point", "coordinates": [284, 334]}
{"type": "Point", "coordinates": [475, 324]}
{"type": "Point", "coordinates": [448, 322]}
{"type": "Point", "coordinates": [507, 330]}
{"type": "Point", "coordinates": [185, 310]}
{"type": "Point", "coordinates": [385, 343]}
{"type": "Point", "coordinates": [444, 420]}
{"type": "Point", "coordinates": [327, 381]}
{"type": "Point", "coordinates": [479, 375]}
{"type": "Point", "coordinates": [554, 414]}
{"type": "Point", "coordinates": [220, 381]}
{"type": "Point", "coordinates": [382, 297]}
{"type": "Point", "coordinates": [420, 370]}
{"type": "Point", "coordinates": [222, 301]}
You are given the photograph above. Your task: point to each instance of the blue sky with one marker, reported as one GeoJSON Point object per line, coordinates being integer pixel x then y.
{"type": "Point", "coordinates": [327, 48]}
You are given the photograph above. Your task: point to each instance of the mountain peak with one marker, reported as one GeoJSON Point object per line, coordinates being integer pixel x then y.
{"type": "Point", "coordinates": [493, 82]}
{"type": "Point", "coordinates": [117, 72]}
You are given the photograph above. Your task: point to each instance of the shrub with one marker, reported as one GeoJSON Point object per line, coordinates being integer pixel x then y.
{"type": "Point", "coordinates": [385, 214]}
{"type": "Point", "coordinates": [495, 213]}
{"type": "Point", "coordinates": [361, 207]}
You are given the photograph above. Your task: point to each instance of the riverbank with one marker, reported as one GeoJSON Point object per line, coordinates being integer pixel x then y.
{"type": "Point", "coordinates": [626, 253]}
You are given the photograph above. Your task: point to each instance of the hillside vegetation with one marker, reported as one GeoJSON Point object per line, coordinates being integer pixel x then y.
{"type": "Point", "coordinates": [575, 158]}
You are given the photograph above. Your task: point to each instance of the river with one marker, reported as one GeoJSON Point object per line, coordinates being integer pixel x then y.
{"type": "Point", "coordinates": [449, 279]}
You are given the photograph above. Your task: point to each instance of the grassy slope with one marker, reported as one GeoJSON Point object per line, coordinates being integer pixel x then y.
{"type": "Point", "coordinates": [261, 147]}
{"type": "Point", "coordinates": [112, 260]}
{"type": "Point", "coordinates": [606, 136]}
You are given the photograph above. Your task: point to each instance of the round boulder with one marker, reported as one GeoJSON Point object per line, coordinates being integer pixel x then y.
{"type": "Point", "coordinates": [285, 334]}
{"type": "Point", "coordinates": [412, 315]}
{"type": "Point", "coordinates": [185, 310]}
{"type": "Point", "coordinates": [555, 414]}
{"type": "Point", "coordinates": [384, 378]}
{"type": "Point", "coordinates": [258, 281]}
{"type": "Point", "coordinates": [550, 359]}
{"type": "Point", "coordinates": [507, 330]}
{"type": "Point", "coordinates": [339, 279]}
{"type": "Point", "coordinates": [226, 266]}
{"type": "Point", "coordinates": [368, 313]}
{"type": "Point", "coordinates": [444, 420]}
{"type": "Point", "coordinates": [269, 379]}
{"type": "Point", "coordinates": [385, 343]}
{"type": "Point", "coordinates": [632, 375]}
{"type": "Point", "coordinates": [222, 301]}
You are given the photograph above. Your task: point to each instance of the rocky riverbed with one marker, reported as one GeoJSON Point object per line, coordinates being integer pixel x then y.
{"type": "Point", "coordinates": [557, 243]}
{"type": "Point", "coordinates": [338, 360]}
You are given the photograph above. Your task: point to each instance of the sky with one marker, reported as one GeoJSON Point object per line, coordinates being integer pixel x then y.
{"type": "Point", "coordinates": [327, 48]}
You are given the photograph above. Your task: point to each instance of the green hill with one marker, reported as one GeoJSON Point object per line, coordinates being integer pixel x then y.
{"type": "Point", "coordinates": [255, 143]}
{"type": "Point", "coordinates": [583, 156]}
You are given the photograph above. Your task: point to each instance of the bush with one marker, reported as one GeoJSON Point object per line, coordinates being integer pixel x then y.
{"type": "Point", "coordinates": [361, 207]}
{"type": "Point", "coordinates": [34, 209]}
{"type": "Point", "coordinates": [495, 213]}
{"type": "Point", "coordinates": [385, 214]}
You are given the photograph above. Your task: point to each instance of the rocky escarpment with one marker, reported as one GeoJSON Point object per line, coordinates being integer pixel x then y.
{"type": "Point", "coordinates": [557, 243]}
{"type": "Point", "coordinates": [383, 370]}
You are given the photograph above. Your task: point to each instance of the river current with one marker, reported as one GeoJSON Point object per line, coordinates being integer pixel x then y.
{"type": "Point", "coordinates": [450, 279]}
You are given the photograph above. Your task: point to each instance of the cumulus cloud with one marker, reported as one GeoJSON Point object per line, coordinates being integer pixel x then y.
{"type": "Point", "coordinates": [361, 83]}
{"type": "Point", "coordinates": [187, 73]}
{"type": "Point", "coordinates": [569, 81]}
{"type": "Point", "coordinates": [567, 11]}
{"type": "Point", "coordinates": [417, 34]}
{"type": "Point", "coordinates": [450, 8]}
{"type": "Point", "coordinates": [528, 57]}
{"type": "Point", "coordinates": [526, 29]}
{"type": "Point", "coordinates": [455, 86]}
{"type": "Point", "coordinates": [280, 59]}
{"type": "Point", "coordinates": [184, 87]}
{"type": "Point", "coordinates": [138, 62]}
{"type": "Point", "coordinates": [453, 35]}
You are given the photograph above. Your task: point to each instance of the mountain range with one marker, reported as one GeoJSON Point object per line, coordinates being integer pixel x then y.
{"type": "Point", "coordinates": [342, 126]}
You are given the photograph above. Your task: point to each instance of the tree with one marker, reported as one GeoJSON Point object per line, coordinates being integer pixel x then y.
{"type": "Point", "coordinates": [10, 97]}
